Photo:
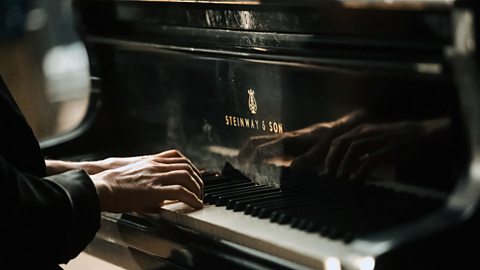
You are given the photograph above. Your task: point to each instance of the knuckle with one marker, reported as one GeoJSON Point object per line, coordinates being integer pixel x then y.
{"type": "Point", "coordinates": [178, 189]}
{"type": "Point", "coordinates": [183, 173]}
{"type": "Point", "coordinates": [337, 143]}
{"type": "Point", "coordinates": [355, 146]}
{"type": "Point", "coordinates": [158, 159]}
{"type": "Point", "coordinates": [160, 167]}
{"type": "Point", "coordinates": [184, 162]}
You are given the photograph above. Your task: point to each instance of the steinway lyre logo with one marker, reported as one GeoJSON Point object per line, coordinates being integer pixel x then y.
{"type": "Point", "coordinates": [252, 122]}
{"type": "Point", "coordinates": [252, 103]}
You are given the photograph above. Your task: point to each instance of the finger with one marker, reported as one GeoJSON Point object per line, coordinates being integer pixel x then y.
{"type": "Point", "coordinates": [177, 154]}
{"type": "Point", "coordinates": [179, 160]}
{"type": "Point", "coordinates": [180, 177]}
{"type": "Point", "coordinates": [268, 150]}
{"type": "Point", "coordinates": [337, 150]}
{"type": "Point", "coordinates": [287, 145]}
{"type": "Point", "coordinates": [170, 153]}
{"type": "Point", "coordinates": [356, 150]}
{"type": "Point", "coordinates": [371, 163]}
{"type": "Point", "coordinates": [192, 170]}
{"type": "Point", "coordinates": [298, 144]}
{"type": "Point", "coordinates": [177, 192]}
{"type": "Point", "coordinates": [312, 160]}
{"type": "Point", "coordinates": [250, 146]}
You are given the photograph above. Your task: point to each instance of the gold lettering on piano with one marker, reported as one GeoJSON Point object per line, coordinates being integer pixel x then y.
{"type": "Point", "coordinates": [255, 124]}
{"type": "Point", "coordinates": [252, 103]}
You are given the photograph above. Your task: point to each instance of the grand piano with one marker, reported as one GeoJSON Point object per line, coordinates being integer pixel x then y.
{"type": "Point", "coordinates": [213, 78]}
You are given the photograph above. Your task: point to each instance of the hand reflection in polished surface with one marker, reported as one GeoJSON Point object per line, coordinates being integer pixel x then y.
{"type": "Point", "coordinates": [350, 147]}
{"type": "Point", "coordinates": [304, 148]}
{"type": "Point", "coordinates": [358, 152]}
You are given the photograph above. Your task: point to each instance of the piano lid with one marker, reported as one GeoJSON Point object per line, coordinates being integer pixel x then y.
{"type": "Point", "coordinates": [342, 88]}
{"type": "Point", "coordinates": [377, 4]}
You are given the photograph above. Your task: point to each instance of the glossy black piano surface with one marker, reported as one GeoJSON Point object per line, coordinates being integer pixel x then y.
{"type": "Point", "coordinates": [212, 78]}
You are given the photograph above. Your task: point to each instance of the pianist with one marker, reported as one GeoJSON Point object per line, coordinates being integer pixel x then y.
{"type": "Point", "coordinates": [51, 210]}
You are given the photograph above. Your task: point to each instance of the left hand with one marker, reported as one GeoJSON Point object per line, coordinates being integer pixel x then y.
{"type": "Point", "coordinates": [166, 157]}
{"type": "Point", "coordinates": [94, 167]}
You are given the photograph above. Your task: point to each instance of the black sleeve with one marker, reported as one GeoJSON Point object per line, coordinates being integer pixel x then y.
{"type": "Point", "coordinates": [45, 221]}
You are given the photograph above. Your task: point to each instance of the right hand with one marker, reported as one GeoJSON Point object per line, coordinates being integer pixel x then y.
{"type": "Point", "coordinates": [144, 185]}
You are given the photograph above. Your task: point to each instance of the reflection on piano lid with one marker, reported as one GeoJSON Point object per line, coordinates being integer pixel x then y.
{"type": "Point", "coordinates": [287, 91]}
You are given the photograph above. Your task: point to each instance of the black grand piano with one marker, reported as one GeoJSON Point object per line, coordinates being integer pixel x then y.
{"type": "Point", "coordinates": [219, 80]}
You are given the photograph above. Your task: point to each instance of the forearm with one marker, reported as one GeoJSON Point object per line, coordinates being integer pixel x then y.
{"type": "Point", "coordinates": [60, 166]}
{"type": "Point", "coordinates": [64, 209]}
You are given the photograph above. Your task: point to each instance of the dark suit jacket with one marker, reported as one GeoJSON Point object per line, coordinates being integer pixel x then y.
{"type": "Point", "coordinates": [45, 221]}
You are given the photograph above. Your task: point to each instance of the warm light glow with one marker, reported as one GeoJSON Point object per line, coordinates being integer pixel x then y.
{"type": "Point", "coordinates": [332, 263]}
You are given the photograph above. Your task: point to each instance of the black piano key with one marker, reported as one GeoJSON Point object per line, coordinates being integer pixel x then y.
{"type": "Point", "coordinates": [287, 214]}
{"type": "Point", "coordinates": [280, 218]}
{"type": "Point", "coordinates": [208, 181]}
{"type": "Point", "coordinates": [222, 199]}
{"type": "Point", "coordinates": [348, 236]}
{"type": "Point", "coordinates": [266, 210]}
{"type": "Point", "coordinates": [253, 208]}
{"type": "Point", "coordinates": [234, 189]}
{"type": "Point", "coordinates": [240, 204]}
{"type": "Point", "coordinates": [337, 219]}
{"type": "Point", "coordinates": [227, 186]}
{"type": "Point", "coordinates": [326, 215]}
{"type": "Point", "coordinates": [298, 223]}
{"type": "Point", "coordinates": [213, 198]}
{"type": "Point", "coordinates": [269, 203]}
{"type": "Point", "coordinates": [234, 204]}
{"type": "Point", "coordinates": [209, 196]}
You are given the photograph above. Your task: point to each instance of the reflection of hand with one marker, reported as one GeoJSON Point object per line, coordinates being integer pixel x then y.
{"type": "Point", "coordinates": [287, 145]}
{"type": "Point", "coordinates": [359, 151]}
{"type": "Point", "coordinates": [305, 148]}
{"type": "Point", "coordinates": [144, 184]}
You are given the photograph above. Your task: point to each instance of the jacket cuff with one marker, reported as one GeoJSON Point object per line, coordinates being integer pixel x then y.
{"type": "Point", "coordinates": [85, 208]}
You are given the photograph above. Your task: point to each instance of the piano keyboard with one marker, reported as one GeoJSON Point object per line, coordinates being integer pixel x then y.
{"type": "Point", "coordinates": [337, 209]}
{"type": "Point", "coordinates": [306, 221]}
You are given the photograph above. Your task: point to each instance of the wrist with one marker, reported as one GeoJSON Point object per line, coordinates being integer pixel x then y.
{"type": "Point", "coordinates": [58, 166]}
{"type": "Point", "coordinates": [103, 191]}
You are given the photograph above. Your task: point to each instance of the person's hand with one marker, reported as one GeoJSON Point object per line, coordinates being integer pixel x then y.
{"type": "Point", "coordinates": [356, 153]}
{"type": "Point", "coordinates": [170, 156]}
{"type": "Point", "coordinates": [94, 167]}
{"type": "Point", "coordinates": [145, 183]}
{"type": "Point", "coordinates": [303, 150]}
